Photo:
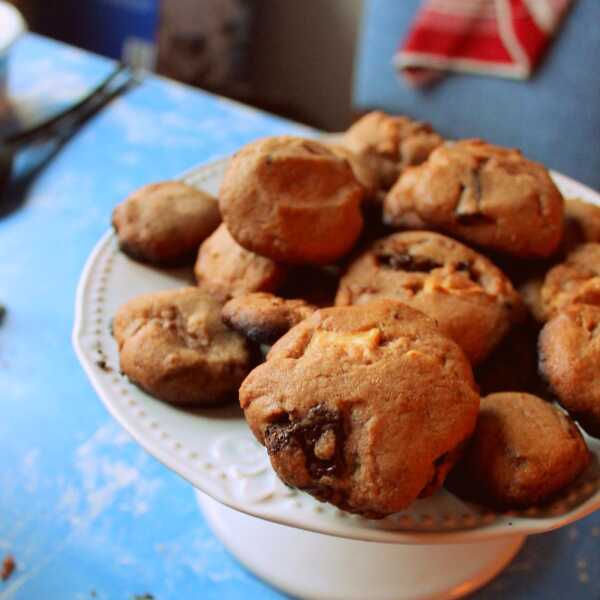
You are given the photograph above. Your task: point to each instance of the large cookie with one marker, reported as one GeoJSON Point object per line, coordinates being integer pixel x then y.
{"type": "Point", "coordinates": [174, 345]}
{"type": "Point", "coordinates": [292, 200]}
{"type": "Point", "coordinates": [524, 450]}
{"type": "Point", "coordinates": [484, 194]}
{"type": "Point", "coordinates": [365, 407]}
{"type": "Point", "coordinates": [569, 350]}
{"type": "Point", "coordinates": [225, 269]}
{"type": "Point", "coordinates": [472, 301]}
{"type": "Point", "coordinates": [164, 223]}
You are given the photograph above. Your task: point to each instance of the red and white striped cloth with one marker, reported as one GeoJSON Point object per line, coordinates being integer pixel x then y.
{"type": "Point", "coordinates": [506, 38]}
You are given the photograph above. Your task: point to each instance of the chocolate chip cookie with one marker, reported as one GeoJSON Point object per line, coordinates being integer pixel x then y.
{"type": "Point", "coordinates": [264, 318]}
{"type": "Point", "coordinates": [164, 223]}
{"type": "Point", "coordinates": [524, 450]}
{"type": "Point", "coordinates": [225, 269]}
{"type": "Point", "coordinates": [174, 345]}
{"type": "Point", "coordinates": [574, 281]}
{"type": "Point", "coordinates": [363, 406]}
{"type": "Point", "coordinates": [292, 200]}
{"type": "Point", "coordinates": [569, 350]}
{"type": "Point", "coordinates": [390, 144]}
{"type": "Point", "coordinates": [471, 300]}
{"type": "Point", "coordinates": [483, 194]}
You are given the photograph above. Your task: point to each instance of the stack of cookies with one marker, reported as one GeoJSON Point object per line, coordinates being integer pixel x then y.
{"type": "Point", "coordinates": [358, 298]}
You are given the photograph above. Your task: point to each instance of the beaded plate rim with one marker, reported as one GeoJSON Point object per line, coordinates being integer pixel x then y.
{"type": "Point", "coordinates": [229, 470]}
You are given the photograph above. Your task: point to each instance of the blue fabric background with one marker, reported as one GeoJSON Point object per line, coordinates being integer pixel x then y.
{"type": "Point", "coordinates": [553, 118]}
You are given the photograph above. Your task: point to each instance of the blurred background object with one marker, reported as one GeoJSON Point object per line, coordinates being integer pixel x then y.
{"type": "Point", "coordinates": [324, 63]}
{"type": "Point", "coordinates": [292, 58]}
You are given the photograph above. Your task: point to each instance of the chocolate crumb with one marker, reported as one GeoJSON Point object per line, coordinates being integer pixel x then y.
{"type": "Point", "coordinates": [8, 567]}
{"type": "Point", "coordinates": [101, 364]}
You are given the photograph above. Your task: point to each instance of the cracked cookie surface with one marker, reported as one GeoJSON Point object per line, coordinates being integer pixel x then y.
{"type": "Point", "coordinates": [569, 354]}
{"type": "Point", "coordinates": [164, 223]}
{"type": "Point", "coordinates": [174, 345]}
{"type": "Point", "coordinates": [484, 194]}
{"type": "Point", "coordinates": [363, 406]}
{"type": "Point", "coordinates": [264, 318]}
{"type": "Point", "coordinates": [472, 301]}
{"type": "Point", "coordinates": [225, 269]}
{"type": "Point", "coordinates": [523, 451]}
{"type": "Point", "coordinates": [292, 200]}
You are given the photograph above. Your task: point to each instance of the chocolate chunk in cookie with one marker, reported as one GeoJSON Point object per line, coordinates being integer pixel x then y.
{"type": "Point", "coordinates": [569, 347]}
{"type": "Point", "coordinates": [524, 450]}
{"type": "Point", "coordinates": [390, 144]}
{"type": "Point", "coordinates": [264, 318]}
{"type": "Point", "coordinates": [174, 345]}
{"type": "Point", "coordinates": [225, 269]}
{"type": "Point", "coordinates": [164, 223]}
{"type": "Point", "coordinates": [484, 194]}
{"type": "Point", "coordinates": [471, 300]}
{"type": "Point", "coordinates": [363, 406]}
{"type": "Point", "coordinates": [292, 200]}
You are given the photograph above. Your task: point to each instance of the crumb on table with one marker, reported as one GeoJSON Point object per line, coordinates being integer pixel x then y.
{"type": "Point", "coordinates": [8, 567]}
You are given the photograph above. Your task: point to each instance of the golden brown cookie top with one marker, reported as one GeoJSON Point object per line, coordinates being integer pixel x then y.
{"type": "Point", "coordinates": [292, 200]}
{"type": "Point", "coordinates": [264, 318]}
{"type": "Point", "coordinates": [391, 143]}
{"type": "Point", "coordinates": [569, 354]}
{"type": "Point", "coordinates": [524, 450]}
{"type": "Point", "coordinates": [470, 298]}
{"type": "Point", "coordinates": [574, 281]}
{"type": "Point", "coordinates": [397, 395]}
{"type": "Point", "coordinates": [484, 194]}
{"type": "Point", "coordinates": [164, 223]}
{"type": "Point", "coordinates": [225, 269]}
{"type": "Point", "coordinates": [174, 345]}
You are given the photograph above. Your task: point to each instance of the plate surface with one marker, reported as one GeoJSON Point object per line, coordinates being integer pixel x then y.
{"type": "Point", "coordinates": [214, 450]}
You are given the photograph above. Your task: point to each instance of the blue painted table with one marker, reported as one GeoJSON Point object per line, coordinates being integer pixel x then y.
{"type": "Point", "coordinates": [85, 512]}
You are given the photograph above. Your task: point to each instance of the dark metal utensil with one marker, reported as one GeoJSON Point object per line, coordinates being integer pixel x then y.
{"type": "Point", "coordinates": [64, 124]}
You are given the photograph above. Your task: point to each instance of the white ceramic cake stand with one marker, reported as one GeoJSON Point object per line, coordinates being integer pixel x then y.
{"type": "Point", "coordinates": [438, 548]}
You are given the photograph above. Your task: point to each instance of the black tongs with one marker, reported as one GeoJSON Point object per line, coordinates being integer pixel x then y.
{"type": "Point", "coordinates": [71, 118]}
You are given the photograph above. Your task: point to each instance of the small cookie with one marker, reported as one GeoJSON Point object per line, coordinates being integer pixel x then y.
{"type": "Point", "coordinates": [365, 407]}
{"type": "Point", "coordinates": [292, 200]}
{"type": "Point", "coordinates": [225, 269]}
{"type": "Point", "coordinates": [390, 144]}
{"type": "Point", "coordinates": [484, 194]}
{"type": "Point", "coordinates": [174, 345]}
{"type": "Point", "coordinates": [264, 318]}
{"type": "Point", "coordinates": [524, 450]}
{"type": "Point", "coordinates": [569, 354]}
{"type": "Point", "coordinates": [164, 223]}
{"type": "Point", "coordinates": [582, 223]}
{"type": "Point", "coordinates": [472, 301]}
{"type": "Point", "coordinates": [574, 281]}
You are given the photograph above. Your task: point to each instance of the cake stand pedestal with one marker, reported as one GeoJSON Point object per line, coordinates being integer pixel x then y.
{"type": "Point", "coordinates": [313, 565]}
